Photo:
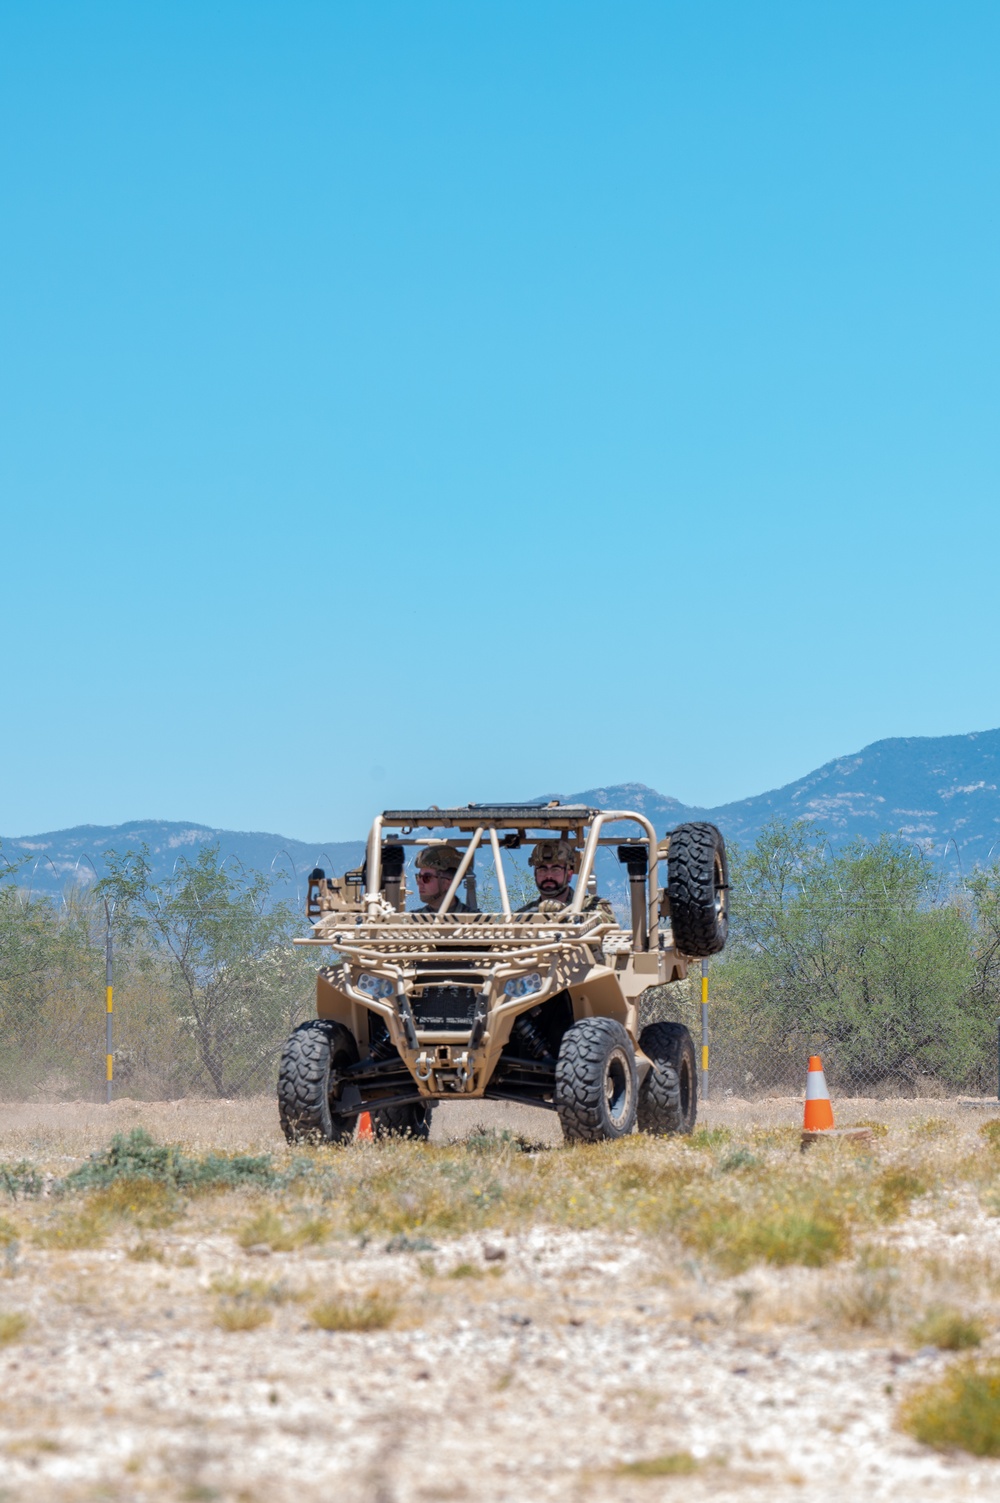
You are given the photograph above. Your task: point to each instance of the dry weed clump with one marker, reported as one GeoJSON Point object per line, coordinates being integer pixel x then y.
{"type": "Point", "coordinates": [366, 1312]}
{"type": "Point", "coordinates": [866, 1299]}
{"type": "Point", "coordinates": [961, 1411]}
{"type": "Point", "coordinates": [145, 1252]}
{"type": "Point", "coordinates": [76, 1230]}
{"type": "Point", "coordinates": [466, 1271]}
{"type": "Point", "coordinates": [13, 1324]}
{"type": "Point", "coordinates": [242, 1315]}
{"type": "Point", "coordinates": [75, 1226]}
{"type": "Point", "coordinates": [246, 1304]}
{"type": "Point", "coordinates": [268, 1229]}
{"type": "Point", "coordinates": [948, 1330]}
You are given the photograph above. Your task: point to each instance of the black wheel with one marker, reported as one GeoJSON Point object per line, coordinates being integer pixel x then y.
{"type": "Point", "coordinates": [596, 1081]}
{"type": "Point", "coordinates": [308, 1086]}
{"type": "Point", "coordinates": [698, 889]}
{"type": "Point", "coordinates": [668, 1097]}
{"type": "Point", "coordinates": [412, 1121]}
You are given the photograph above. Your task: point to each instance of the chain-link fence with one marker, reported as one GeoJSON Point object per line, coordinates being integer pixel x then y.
{"type": "Point", "coordinates": [860, 958]}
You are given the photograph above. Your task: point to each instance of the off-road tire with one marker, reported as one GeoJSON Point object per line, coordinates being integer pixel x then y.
{"type": "Point", "coordinates": [698, 889]}
{"type": "Point", "coordinates": [411, 1121]}
{"type": "Point", "coordinates": [310, 1060]}
{"type": "Point", "coordinates": [596, 1082]}
{"type": "Point", "coordinates": [668, 1097]}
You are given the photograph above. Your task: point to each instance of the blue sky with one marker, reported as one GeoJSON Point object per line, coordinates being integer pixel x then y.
{"type": "Point", "coordinates": [425, 403]}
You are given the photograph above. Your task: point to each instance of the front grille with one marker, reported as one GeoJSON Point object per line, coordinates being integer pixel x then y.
{"type": "Point", "coordinates": [447, 1007]}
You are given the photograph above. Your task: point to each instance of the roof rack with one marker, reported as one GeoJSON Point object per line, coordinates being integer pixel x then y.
{"type": "Point", "coordinates": [530, 816]}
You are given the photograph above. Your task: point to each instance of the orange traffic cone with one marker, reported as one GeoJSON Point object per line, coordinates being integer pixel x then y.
{"type": "Point", "coordinates": [365, 1125]}
{"type": "Point", "coordinates": [819, 1110]}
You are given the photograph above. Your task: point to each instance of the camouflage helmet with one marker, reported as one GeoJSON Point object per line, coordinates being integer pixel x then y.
{"type": "Point", "coordinates": [554, 853]}
{"type": "Point", "coordinates": [439, 858]}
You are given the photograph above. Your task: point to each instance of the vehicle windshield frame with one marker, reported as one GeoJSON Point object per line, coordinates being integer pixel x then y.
{"type": "Point", "coordinates": [580, 822]}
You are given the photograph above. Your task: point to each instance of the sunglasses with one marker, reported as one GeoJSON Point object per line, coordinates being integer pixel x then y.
{"type": "Point", "coordinates": [427, 875]}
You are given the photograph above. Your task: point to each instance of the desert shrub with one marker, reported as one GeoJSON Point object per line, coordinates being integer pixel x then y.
{"type": "Point", "coordinates": [961, 1411]}
{"type": "Point", "coordinates": [21, 1180]}
{"type": "Point", "coordinates": [949, 1330]}
{"type": "Point", "coordinates": [137, 1155]}
{"type": "Point", "coordinates": [367, 1312]}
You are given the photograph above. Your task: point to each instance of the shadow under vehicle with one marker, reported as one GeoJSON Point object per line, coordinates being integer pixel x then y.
{"type": "Point", "coordinates": [539, 1008]}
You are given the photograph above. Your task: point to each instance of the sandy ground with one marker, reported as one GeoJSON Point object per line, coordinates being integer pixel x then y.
{"type": "Point", "coordinates": [65, 1132]}
{"type": "Point", "coordinates": [561, 1359]}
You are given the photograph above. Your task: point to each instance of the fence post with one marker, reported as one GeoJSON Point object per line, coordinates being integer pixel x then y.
{"type": "Point", "coordinates": [704, 1030]}
{"type": "Point", "coordinates": [109, 997]}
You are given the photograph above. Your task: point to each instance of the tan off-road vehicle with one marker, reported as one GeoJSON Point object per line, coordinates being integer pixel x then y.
{"type": "Point", "coordinates": [541, 1008]}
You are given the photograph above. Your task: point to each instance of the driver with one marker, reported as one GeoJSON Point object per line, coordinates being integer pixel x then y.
{"type": "Point", "coordinates": [554, 863]}
{"type": "Point", "coordinates": [436, 866]}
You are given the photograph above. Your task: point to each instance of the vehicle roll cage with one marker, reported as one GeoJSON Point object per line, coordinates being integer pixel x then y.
{"type": "Point", "coordinates": [530, 823]}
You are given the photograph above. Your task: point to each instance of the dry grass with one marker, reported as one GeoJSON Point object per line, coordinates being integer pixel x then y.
{"type": "Point", "coordinates": [86, 1221]}
{"type": "Point", "coordinates": [73, 1230]}
{"type": "Point", "coordinates": [269, 1229]}
{"type": "Point", "coordinates": [866, 1298]}
{"type": "Point", "coordinates": [961, 1411]}
{"type": "Point", "coordinates": [734, 1203]}
{"type": "Point", "coordinates": [246, 1304]}
{"type": "Point", "coordinates": [466, 1271]}
{"type": "Point", "coordinates": [366, 1312]}
{"type": "Point", "coordinates": [733, 1197]}
{"type": "Point", "coordinates": [145, 1252]}
{"type": "Point", "coordinates": [673, 1464]}
{"type": "Point", "coordinates": [242, 1315]}
{"type": "Point", "coordinates": [949, 1330]}
{"type": "Point", "coordinates": [232, 1287]}
{"type": "Point", "coordinates": [13, 1324]}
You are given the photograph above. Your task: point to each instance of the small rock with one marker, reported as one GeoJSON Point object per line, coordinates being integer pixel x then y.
{"type": "Point", "coordinates": [494, 1254]}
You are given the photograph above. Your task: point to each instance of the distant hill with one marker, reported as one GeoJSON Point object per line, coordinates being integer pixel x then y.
{"type": "Point", "coordinates": [941, 792]}
{"type": "Point", "coordinates": [71, 856]}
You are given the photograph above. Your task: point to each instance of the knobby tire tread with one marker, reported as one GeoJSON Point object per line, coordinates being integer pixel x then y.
{"type": "Point", "coordinates": [661, 1110]}
{"type": "Point", "coordinates": [696, 927]}
{"type": "Point", "coordinates": [580, 1078]}
{"type": "Point", "coordinates": [303, 1075]}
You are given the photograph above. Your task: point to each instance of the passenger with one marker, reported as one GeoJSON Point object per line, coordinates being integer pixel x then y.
{"type": "Point", "coordinates": [436, 866]}
{"type": "Point", "coordinates": [554, 862]}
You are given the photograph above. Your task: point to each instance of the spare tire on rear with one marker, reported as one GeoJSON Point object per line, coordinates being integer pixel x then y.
{"type": "Point", "coordinates": [698, 889]}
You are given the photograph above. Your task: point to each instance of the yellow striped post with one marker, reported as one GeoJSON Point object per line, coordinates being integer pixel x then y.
{"type": "Point", "coordinates": [704, 1030]}
{"type": "Point", "coordinates": [109, 999]}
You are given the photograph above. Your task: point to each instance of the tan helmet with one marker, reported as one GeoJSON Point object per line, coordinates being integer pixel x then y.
{"type": "Point", "coordinates": [555, 853]}
{"type": "Point", "coordinates": [439, 858]}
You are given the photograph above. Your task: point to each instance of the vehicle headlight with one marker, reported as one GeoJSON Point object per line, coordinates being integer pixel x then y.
{"type": "Point", "coordinates": [375, 986]}
{"type": "Point", "coordinates": [523, 986]}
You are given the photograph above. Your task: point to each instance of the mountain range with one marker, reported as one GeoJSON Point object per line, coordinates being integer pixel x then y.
{"type": "Point", "coordinates": [940, 792]}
